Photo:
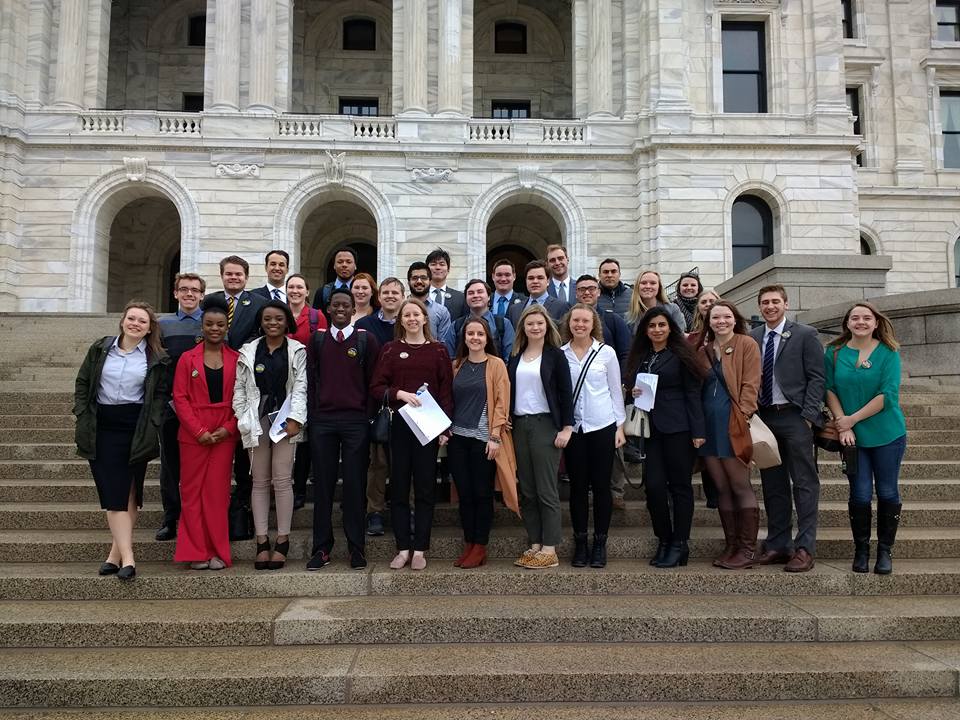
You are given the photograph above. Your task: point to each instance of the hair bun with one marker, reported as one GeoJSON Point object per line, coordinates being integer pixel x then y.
{"type": "Point", "coordinates": [215, 302]}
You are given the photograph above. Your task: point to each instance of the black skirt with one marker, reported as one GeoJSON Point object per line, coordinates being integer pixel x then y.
{"type": "Point", "coordinates": [112, 471]}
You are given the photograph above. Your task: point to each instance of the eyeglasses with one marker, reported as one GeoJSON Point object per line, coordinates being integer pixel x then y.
{"type": "Point", "coordinates": [415, 278]}
{"type": "Point", "coordinates": [189, 291]}
{"type": "Point", "coordinates": [588, 290]}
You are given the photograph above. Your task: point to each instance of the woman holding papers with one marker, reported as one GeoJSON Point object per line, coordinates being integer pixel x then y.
{"type": "Point", "coordinates": [203, 398]}
{"type": "Point", "coordinates": [598, 417]}
{"type": "Point", "coordinates": [732, 366]}
{"type": "Point", "coordinates": [541, 404]}
{"type": "Point", "coordinates": [270, 398]}
{"type": "Point", "coordinates": [406, 365]}
{"type": "Point", "coordinates": [480, 447]}
{"type": "Point", "coordinates": [676, 428]}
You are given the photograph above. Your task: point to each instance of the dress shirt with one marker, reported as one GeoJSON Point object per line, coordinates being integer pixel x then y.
{"type": "Point", "coordinates": [539, 300]}
{"type": "Point", "coordinates": [443, 294]}
{"type": "Point", "coordinates": [281, 291]}
{"type": "Point", "coordinates": [338, 283]}
{"type": "Point", "coordinates": [347, 332]}
{"type": "Point", "coordinates": [599, 403]}
{"type": "Point", "coordinates": [123, 376]}
{"type": "Point", "coordinates": [440, 323]}
{"type": "Point", "coordinates": [777, 397]}
{"type": "Point", "coordinates": [562, 288]}
{"type": "Point", "coordinates": [530, 396]}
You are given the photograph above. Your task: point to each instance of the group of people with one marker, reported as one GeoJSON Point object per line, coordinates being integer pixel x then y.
{"type": "Point", "coordinates": [268, 388]}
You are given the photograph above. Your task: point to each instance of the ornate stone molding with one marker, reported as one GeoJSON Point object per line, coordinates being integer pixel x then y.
{"type": "Point", "coordinates": [529, 174]}
{"type": "Point", "coordinates": [236, 170]}
{"type": "Point", "coordinates": [136, 168]}
{"type": "Point", "coordinates": [431, 174]}
{"type": "Point", "coordinates": [335, 166]}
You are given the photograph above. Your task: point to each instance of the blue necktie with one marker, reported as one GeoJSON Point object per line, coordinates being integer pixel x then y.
{"type": "Point", "coordinates": [276, 294]}
{"type": "Point", "coordinates": [766, 376]}
{"type": "Point", "coordinates": [502, 305]}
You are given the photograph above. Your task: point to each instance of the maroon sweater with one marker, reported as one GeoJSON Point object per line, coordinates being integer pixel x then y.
{"type": "Point", "coordinates": [427, 363]}
{"type": "Point", "coordinates": [337, 381]}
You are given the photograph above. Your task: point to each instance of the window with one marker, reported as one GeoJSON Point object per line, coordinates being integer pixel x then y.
{"type": "Point", "coordinates": [193, 102]}
{"type": "Point", "coordinates": [197, 31]}
{"type": "Point", "coordinates": [510, 109]}
{"type": "Point", "coordinates": [950, 121]}
{"type": "Point", "coordinates": [853, 102]}
{"type": "Point", "coordinates": [360, 34]}
{"type": "Point", "coordinates": [847, 18]}
{"type": "Point", "coordinates": [948, 20]}
{"type": "Point", "coordinates": [752, 225]}
{"type": "Point", "coordinates": [744, 68]}
{"type": "Point", "coordinates": [865, 247]}
{"type": "Point", "coordinates": [510, 38]}
{"type": "Point", "coordinates": [360, 106]}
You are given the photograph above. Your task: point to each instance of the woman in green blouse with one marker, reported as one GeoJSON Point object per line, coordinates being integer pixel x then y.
{"type": "Point", "coordinates": [863, 393]}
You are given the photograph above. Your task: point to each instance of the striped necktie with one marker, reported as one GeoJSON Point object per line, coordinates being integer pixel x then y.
{"type": "Point", "coordinates": [766, 375]}
{"type": "Point", "coordinates": [230, 305]}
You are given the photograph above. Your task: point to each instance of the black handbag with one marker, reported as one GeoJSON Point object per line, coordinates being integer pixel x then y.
{"type": "Point", "coordinates": [380, 425]}
{"type": "Point", "coordinates": [240, 521]}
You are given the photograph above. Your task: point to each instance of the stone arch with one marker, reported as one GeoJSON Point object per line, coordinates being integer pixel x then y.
{"type": "Point", "coordinates": [543, 35]}
{"type": "Point", "coordinates": [540, 192]}
{"type": "Point", "coordinates": [872, 237]}
{"type": "Point", "coordinates": [326, 30]}
{"type": "Point", "coordinates": [775, 199]}
{"type": "Point", "coordinates": [313, 191]}
{"type": "Point", "coordinates": [90, 230]}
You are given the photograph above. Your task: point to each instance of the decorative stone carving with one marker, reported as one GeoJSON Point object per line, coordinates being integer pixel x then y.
{"type": "Point", "coordinates": [528, 175]}
{"type": "Point", "coordinates": [136, 168]}
{"type": "Point", "coordinates": [431, 174]}
{"type": "Point", "coordinates": [236, 170]}
{"type": "Point", "coordinates": [335, 166]}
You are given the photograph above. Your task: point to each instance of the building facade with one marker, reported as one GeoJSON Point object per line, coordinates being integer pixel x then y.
{"type": "Point", "coordinates": [139, 138]}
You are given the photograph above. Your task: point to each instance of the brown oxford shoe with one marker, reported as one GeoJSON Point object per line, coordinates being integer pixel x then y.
{"type": "Point", "coordinates": [802, 561]}
{"type": "Point", "coordinates": [772, 557]}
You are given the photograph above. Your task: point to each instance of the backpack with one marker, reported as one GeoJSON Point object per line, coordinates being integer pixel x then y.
{"type": "Point", "coordinates": [314, 319]}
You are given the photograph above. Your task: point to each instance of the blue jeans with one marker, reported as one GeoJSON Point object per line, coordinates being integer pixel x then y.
{"type": "Point", "coordinates": [880, 465]}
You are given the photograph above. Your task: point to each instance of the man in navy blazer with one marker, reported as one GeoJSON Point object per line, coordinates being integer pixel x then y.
{"type": "Point", "coordinates": [276, 264]}
{"type": "Point", "coordinates": [791, 391]}
{"type": "Point", "coordinates": [561, 285]}
{"type": "Point", "coordinates": [535, 274]}
{"type": "Point", "coordinates": [453, 300]}
{"type": "Point", "coordinates": [504, 296]}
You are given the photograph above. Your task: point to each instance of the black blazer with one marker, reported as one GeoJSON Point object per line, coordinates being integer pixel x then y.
{"type": "Point", "coordinates": [244, 326]}
{"type": "Point", "coordinates": [557, 386]}
{"type": "Point", "coordinates": [678, 406]}
{"type": "Point", "coordinates": [454, 301]}
{"type": "Point", "coordinates": [262, 292]}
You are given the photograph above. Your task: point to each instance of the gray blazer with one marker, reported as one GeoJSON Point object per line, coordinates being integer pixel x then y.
{"type": "Point", "coordinates": [798, 368]}
{"type": "Point", "coordinates": [555, 308]}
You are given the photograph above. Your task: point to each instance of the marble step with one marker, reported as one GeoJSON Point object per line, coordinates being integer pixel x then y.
{"type": "Point", "coordinates": [31, 581]}
{"type": "Point", "coordinates": [477, 672]}
{"type": "Point", "coordinates": [477, 619]}
{"type": "Point", "coordinates": [508, 542]}
{"type": "Point", "coordinates": [26, 422]}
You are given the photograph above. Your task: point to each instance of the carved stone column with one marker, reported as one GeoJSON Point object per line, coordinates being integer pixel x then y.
{"type": "Point", "coordinates": [226, 71]}
{"type": "Point", "coordinates": [600, 63]}
{"type": "Point", "coordinates": [71, 54]}
{"type": "Point", "coordinates": [263, 41]}
{"type": "Point", "coordinates": [415, 56]}
{"type": "Point", "coordinates": [450, 67]}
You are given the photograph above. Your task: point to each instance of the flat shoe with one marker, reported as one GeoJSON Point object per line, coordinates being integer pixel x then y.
{"type": "Point", "coordinates": [127, 572]}
{"type": "Point", "coordinates": [399, 561]}
{"type": "Point", "coordinates": [203, 565]}
{"type": "Point", "coordinates": [108, 568]}
{"type": "Point", "coordinates": [418, 562]}
{"type": "Point", "coordinates": [216, 563]}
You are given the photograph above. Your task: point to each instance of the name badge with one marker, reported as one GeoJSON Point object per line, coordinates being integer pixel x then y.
{"type": "Point", "coordinates": [195, 373]}
{"type": "Point", "coordinates": [259, 368]}
{"type": "Point", "coordinates": [404, 355]}
{"type": "Point", "coordinates": [352, 352]}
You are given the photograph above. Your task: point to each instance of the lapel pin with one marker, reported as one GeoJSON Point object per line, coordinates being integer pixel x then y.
{"type": "Point", "coordinates": [786, 334]}
{"type": "Point", "coordinates": [404, 355]}
{"type": "Point", "coordinates": [728, 351]}
{"type": "Point", "coordinates": [194, 373]}
{"type": "Point", "coordinates": [245, 302]}
{"type": "Point", "coordinates": [866, 364]}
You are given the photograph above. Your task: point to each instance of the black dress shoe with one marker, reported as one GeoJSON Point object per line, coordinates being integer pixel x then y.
{"type": "Point", "coordinates": [108, 568]}
{"type": "Point", "coordinates": [167, 532]}
{"type": "Point", "coordinates": [127, 572]}
{"type": "Point", "coordinates": [358, 561]}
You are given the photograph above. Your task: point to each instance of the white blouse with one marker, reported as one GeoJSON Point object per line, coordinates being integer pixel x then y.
{"type": "Point", "coordinates": [600, 402]}
{"type": "Point", "coordinates": [530, 397]}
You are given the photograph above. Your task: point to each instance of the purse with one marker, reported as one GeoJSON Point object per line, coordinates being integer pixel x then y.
{"type": "Point", "coordinates": [637, 423]}
{"type": "Point", "coordinates": [766, 452]}
{"type": "Point", "coordinates": [827, 437]}
{"type": "Point", "coordinates": [380, 425]}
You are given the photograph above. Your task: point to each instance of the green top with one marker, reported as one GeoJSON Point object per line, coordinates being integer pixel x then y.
{"type": "Point", "coordinates": [856, 386]}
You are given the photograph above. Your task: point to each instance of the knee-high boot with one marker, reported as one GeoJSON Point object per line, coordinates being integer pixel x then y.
{"type": "Point", "coordinates": [730, 522]}
{"type": "Point", "coordinates": [747, 530]}
{"type": "Point", "coordinates": [888, 519]}
{"type": "Point", "coordinates": [860, 520]}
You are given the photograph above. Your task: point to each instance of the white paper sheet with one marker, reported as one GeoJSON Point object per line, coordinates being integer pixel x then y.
{"type": "Point", "coordinates": [426, 421]}
{"type": "Point", "coordinates": [278, 430]}
{"type": "Point", "coordinates": [648, 383]}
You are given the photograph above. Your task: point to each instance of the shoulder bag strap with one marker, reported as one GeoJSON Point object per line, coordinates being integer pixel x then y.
{"type": "Point", "coordinates": [583, 373]}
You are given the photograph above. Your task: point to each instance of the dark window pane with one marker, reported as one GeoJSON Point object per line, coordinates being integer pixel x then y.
{"type": "Point", "coordinates": [359, 34]}
{"type": "Point", "coordinates": [510, 38]}
{"type": "Point", "coordinates": [951, 150]}
{"type": "Point", "coordinates": [741, 47]}
{"type": "Point", "coordinates": [193, 102]}
{"type": "Point", "coordinates": [847, 10]}
{"type": "Point", "coordinates": [369, 107]}
{"type": "Point", "coordinates": [865, 248]}
{"type": "Point", "coordinates": [742, 93]}
{"type": "Point", "coordinates": [197, 31]}
{"type": "Point", "coordinates": [510, 110]}
{"type": "Point", "coordinates": [752, 226]}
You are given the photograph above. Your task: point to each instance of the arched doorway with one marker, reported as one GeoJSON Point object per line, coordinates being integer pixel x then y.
{"type": "Point", "coordinates": [332, 225]}
{"type": "Point", "coordinates": [520, 233]}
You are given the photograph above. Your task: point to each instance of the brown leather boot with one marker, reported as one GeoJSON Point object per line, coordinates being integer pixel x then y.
{"type": "Point", "coordinates": [728, 519]}
{"type": "Point", "coordinates": [747, 530]}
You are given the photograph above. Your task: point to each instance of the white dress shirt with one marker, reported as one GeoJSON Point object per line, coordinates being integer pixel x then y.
{"type": "Point", "coordinates": [282, 292]}
{"type": "Point", "coordinates": [347, 332]}
{"type": "Point", "coordinates": [531, 399]}
{"type": "Point", "coordinates": [600, 402]}
{"type": "Point", "coordinates": [123, 375]}
{"type": "Point", "coordinates": [777, 397]}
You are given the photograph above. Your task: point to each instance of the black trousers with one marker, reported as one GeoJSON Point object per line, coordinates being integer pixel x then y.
{"type": "Point", "coordinates": [411, 463]}
{"type": "Point", "coordinates": [473, 475]}
{"type": "Point", "coordinates": [589, 464]}
{"type": "Point", "coordinates": [170, 471]}
{"type": "Point", "coordinates": [670, 458]}
{"type": "Point", "coordinates": [301, 467]}
{"type": "Point", "coordinates": [329, 442]}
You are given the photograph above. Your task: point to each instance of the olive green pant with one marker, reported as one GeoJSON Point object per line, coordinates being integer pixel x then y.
{"type": "Point", "coordinates": [537, 462]}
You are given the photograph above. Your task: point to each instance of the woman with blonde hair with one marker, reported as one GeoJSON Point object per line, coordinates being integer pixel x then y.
{"type": "Point", "coordinates": [648, 293]}
{"type": "Point", "coordinates": [118, 402]}
{"type": "Point", "coordinates": [541, 405]}
{"type": "Point", "coordinates": [863, 393]}
{"type": "Point", "coordinates": [364, 291]}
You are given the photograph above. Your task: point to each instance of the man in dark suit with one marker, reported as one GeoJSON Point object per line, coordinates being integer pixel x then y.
{"type": "Point", "coordinates": [561, 284]}
{"type": "Point", "coordinates": [453, 300]}
{"type": "Point", "coordinates": [345, 267]}
{"type": "Point", "coordinates": [535, 274]}
{"type": "Point", "coordinates": [276, 263]}
{"type": "Point", "coordinates": [504, 296]}
{"type": "Point", "coordinates": [791, 390]}
{"type": "Point", "coordinates": [242, 309]}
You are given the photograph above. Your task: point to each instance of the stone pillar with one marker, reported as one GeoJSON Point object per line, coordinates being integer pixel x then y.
{"type": "Point", "coordinates": [450, 67]}
{"type": "Point", "coordinates": [226, 55]}
{"type": "Point", "coordinates": [71, 54]}
{"type": "Point", "coordinates": [415, 45]}
{"type": "Point", "coordinates": [263, 40]}
{"type": "Point", "coordinates": [600, 63]}
{"type": "Point", "coordinates": [825, 74]}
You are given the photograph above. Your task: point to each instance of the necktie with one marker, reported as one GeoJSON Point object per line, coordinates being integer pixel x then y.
{"type": "Point", "coordinates": [340, 336]}
{"type": "Point", "coordinates": [276, 294]}
{"type": "Point", "coordinates": [502, 305]}
{"type": "Point", "coordinates": [562, 293]}
{"type": "Point", "coordinates": [534, 301]}
{"type": "Point", "coordinates": [766, 376]}
{"type": "Point", "coordinates": [438, 296]}
{"type": "Point", "coordinates": [230, 303]}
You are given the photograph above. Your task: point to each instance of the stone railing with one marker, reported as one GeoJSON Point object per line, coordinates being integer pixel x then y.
{"type": "Point", "coordinates": [299, 127]}
{"type": "Point", "coordinates": [489, 131]}
{"type": "Point", "coordinates": [374, 128]}
{"type": "Point", "coordinates": [101, 122]}
{"type": "Point", "coordinates": [179, 124]}
{"type": "Point", "coordinates": [563, 132]}
{"type": "Point", "coordinates": [547, 132]}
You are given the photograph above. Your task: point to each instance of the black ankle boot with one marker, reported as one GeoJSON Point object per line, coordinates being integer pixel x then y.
{"type": "Point", "coordinates": [860, 521]}
{"type": "Point", "coordinates": [678, 553]}
{"type": "Point", "coordinates": [888, 519]}
{"type": "Point", "coordinates": [580, 551]}
{"type": "Point", "coordinates": [662, 546]}
{"type": "Point", "coordinates": [598, 558]}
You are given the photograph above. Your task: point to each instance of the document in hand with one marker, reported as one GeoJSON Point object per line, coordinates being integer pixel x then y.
{"type": "Point", "coordinates": [426, 421]}
{"type": "Point", "coordinates": [278, 428]}
{"type": "Point", "coordinates": [648, 383]}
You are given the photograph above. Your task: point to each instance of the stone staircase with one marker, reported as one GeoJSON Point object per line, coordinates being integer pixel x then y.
{"type": "Point", "coordinates": [626, 642]}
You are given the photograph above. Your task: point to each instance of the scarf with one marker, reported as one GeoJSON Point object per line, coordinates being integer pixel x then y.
{"type": "Point", "coordinates": [688, 306]}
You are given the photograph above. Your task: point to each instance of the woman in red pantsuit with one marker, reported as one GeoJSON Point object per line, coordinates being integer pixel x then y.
{"type": "Point", "coordinates": [203, 399]}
